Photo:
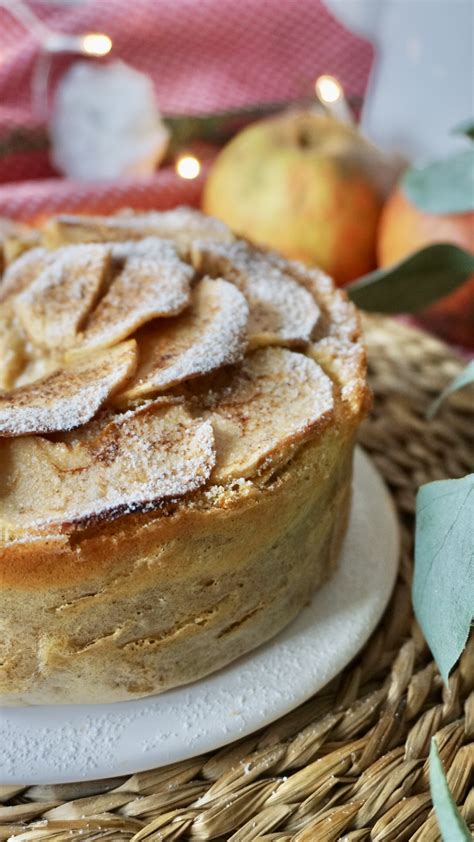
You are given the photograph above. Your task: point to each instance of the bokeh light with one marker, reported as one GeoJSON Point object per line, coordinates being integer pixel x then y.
{"type": "Point", "coordinates": [328, 89]}
{"type": "Point", "coordinates": [96, 44]}
{"type": "Point", "coordinates": [187, 166]}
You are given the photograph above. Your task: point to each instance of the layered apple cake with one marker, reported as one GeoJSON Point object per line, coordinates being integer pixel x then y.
{"type": "Point", "coordinates": [177, 419]}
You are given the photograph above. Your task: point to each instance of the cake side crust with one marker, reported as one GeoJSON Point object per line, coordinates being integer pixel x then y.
{"type": "Point", "coordinates": [220, 584]}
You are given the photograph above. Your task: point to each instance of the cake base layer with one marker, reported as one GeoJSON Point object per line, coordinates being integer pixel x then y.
{"type": "Point", "coordinates": [145, 604]}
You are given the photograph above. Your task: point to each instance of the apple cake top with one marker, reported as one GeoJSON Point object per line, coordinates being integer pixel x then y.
{"type": "Point", "coordinates": [147, 357]}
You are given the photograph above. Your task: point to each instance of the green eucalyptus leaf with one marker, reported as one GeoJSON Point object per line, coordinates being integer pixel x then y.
{"type": "Point", "coordinates": [443, 583]}
{"type": "Point", "coordinates": [451, 824]}
{"type": "Point", "coordinates": [414, 282]}
{"type": "Point", "coordinates": [463, 379]}
{"type": "Point", "coordinates": [465, 128]}
{"type": "Point", "coordinates": [443, 186]}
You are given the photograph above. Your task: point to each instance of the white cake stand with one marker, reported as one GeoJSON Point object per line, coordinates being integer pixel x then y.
{"type": "Point", "coordinates": [84, 742]}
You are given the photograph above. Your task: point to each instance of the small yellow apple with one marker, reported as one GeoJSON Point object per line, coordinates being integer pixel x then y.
{"type": "Point", "coordinates": [302, 183]}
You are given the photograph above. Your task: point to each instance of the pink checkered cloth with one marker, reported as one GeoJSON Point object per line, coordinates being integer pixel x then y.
{"type": "Point", "coordinates": [204, 56]}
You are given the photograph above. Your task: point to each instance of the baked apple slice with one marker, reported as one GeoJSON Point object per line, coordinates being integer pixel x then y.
{"type": "Point", "coordinates": [54, 305]}
{"type": "Point", "coordinates": [12, 348]}
{"type": "Point", "coordinates": [277, 397]}
{"type": "Point", "coordinates": [210, 334]}
{"type": "Point", "coordinates": [152, 281]}
{"type": "Point", "coordinates": [70, 396]}
{"type": "Point", "coordinates": [132, 463]}
{"type": "Point", "coordinates": [14, 239]}
{"type": "Point", "coordinates": [21, 272]}
{"type": "Point", "coordinates": [180, 224]}
{"type": "Point", "coordinates": [94, 295]}
{"type": "Point", "coordinates": [282, 312]}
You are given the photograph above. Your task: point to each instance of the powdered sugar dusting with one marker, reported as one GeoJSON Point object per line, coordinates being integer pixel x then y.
{"type": "Point", "coordinates": [281, 311]}
{"type": "Point", "coordinates": [54, 304]}
{"type": "Point", "coordinates": [69, 397]}
{"type": "Point", "coordinates": [275, 399]}
{"type": "Point", "coordinates": [154, 282]}
{"type": "Point", "coordinates": [211, 334]}
{"type": "Point", "coordinates": [345, 362]}
{"type": "Point", "coordinates": [19, 274]}
{"type": "Point", "coordinates": [136, 461]}
{"type": "Point", "coordinates": [340, 317]}
{"type": "Point", "coordinates": [90, 295]}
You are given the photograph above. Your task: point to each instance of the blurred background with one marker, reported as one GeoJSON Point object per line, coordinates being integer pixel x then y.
{"type": "Point", "coordinates": [336, 131]}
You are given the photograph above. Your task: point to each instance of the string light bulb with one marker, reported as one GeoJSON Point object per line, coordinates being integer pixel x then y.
{"type": "Point", "coordinates": [328, 89]}
{"type": "Point", "coordinates": [330, 94]}
{"type": "Point", "coordinates": [90, 43]}
{"type": "Point", "coordinates": [187, 166]}
{"type": "Point", "coordinates": [96, 44]}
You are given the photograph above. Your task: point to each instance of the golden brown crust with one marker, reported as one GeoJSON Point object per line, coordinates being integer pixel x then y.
{"type": "Point", "coordinates": [121, 602]}
{"type": "Point", "coordinates": [123, 615]}
{"type": "Point", "coordinates": [63, 559]}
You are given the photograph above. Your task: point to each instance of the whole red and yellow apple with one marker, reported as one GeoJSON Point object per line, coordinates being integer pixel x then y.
{"type": "Point", "coordinates": [404, 228]}
{"type": "Point", "coordinates": [304, 184]}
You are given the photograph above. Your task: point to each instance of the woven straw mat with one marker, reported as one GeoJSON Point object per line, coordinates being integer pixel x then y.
{"type": "Point", "coordinates": [351, 763]}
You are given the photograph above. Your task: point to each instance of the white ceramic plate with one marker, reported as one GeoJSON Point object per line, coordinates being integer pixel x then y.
{"type": "Point", "coordinates": [81, 742]}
